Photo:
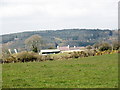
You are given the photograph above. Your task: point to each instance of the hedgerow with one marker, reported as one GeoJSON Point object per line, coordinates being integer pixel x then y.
{"type": "Point", "coordinates": [35, 57]}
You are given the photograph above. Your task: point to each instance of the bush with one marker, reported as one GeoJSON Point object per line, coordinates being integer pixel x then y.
{"type": "Point", "coordinates": [48, 57]}
{"type": "Point", "coordinates": [79, 54]}
{"type": "Point", "coordinates": [31, 56]}
{"type": "Point", "coordinates": [105, 47]}
{"type": "Point", "coordinates": [39, 57]}
{"type": "Point", "coordinates": [116, 46]}
{"type": "Point", "coordinates": [25, 56]}
{"type": "Point", "coordinates": [75, 55]}
{"type": "Point", "coordinates": [10, 59]}
{"type": "Point", "coordinates": [89, 47]}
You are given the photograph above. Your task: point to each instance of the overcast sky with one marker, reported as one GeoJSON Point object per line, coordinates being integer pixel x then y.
{"type": "Point", "coordinates": [30, 15]}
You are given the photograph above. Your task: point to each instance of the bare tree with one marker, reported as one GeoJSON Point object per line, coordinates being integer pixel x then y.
{"type": "Point", "coordinates": [34, 43]}
{"type": "Point", "coordinates": [4, 52]}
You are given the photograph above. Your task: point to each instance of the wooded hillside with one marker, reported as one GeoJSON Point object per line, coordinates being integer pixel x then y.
{"type": "Point", "coordinates": [73, 37]}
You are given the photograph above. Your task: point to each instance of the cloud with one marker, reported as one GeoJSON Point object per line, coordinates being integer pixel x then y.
{"type": "Point", "coordinates": [56, 8]}
{"type": "Point", "coordinates": [55, 14]}
{"type": "Point", "coordinates": [16, 11]}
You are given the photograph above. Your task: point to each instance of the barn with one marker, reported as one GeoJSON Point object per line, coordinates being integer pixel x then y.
{"type": "Point", "coordinates": [60, 50]}
{"type": "Point", "coordinates": [49, 51]}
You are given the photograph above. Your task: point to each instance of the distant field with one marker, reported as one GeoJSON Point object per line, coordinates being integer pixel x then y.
{"type": "Point", "coordinates": [89, 72]}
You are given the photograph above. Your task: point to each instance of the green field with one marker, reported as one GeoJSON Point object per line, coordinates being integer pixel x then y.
{"type": "Point", "coordinates": [89, 72]}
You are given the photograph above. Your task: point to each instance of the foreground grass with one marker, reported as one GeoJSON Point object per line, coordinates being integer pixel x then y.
{"type": "Point", "coordinates": [0, 76]}
{"type": "Point", "coordinates": [89, 72]}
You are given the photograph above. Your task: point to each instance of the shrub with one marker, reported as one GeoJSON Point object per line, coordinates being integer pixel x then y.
{"type": "Point", "coordinates": [105, 47]}
{"type": "Point", "coordinates": [89, 47]}
{"type": "Point", "coordinates": [48, 57]}
{"type": "Point", "coordinates": [25, 56]}
{"type": "Point", "coordinates": [31, 56]}
{"type": "Point", "coordinates": [75, 55]}
{"type": "Point", "coordinates": [10, 59]}
{"type": "Point", "coordinates": [96, 45]}
{"type": "Point", "coordinates": [38, 57]}
{"type": "Point", "coordinates": [90, 53]}
{"type": "Point", "coordinates": [116, 46]}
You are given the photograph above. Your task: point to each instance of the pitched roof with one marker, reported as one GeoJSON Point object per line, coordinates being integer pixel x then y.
{"type": "Point", "coordinates": [74, 48]}
{"type": "Point", "coordinates": [65, 48]}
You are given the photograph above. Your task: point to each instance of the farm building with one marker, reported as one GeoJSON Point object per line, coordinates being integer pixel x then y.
{"type": "Point", "coordinates": [49, 51]}
{"type": "Point", "coordinates": [61, 50]}
{"type": "Point", "coordinates": [69, 49]}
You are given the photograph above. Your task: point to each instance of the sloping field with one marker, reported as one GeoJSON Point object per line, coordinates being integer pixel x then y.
{"type": "Point", "coordinates": [89, 72]}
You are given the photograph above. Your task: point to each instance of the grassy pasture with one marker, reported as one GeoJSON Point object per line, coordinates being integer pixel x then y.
{"type": "Point", "coordinates": [89, 72]}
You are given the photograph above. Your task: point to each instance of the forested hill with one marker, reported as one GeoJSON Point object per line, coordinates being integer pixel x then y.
{"type": "Point", "coordinates": [77, 37]}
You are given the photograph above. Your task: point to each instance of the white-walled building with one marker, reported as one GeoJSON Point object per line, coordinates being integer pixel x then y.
{"type": "Point", "coordinates": [49, 51]}
{"type": "Point", "coordinates": [60, 50]}
{"type": "Point", "coordinates": [69, 49]}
